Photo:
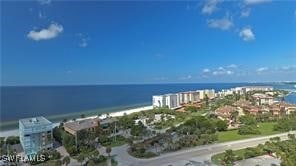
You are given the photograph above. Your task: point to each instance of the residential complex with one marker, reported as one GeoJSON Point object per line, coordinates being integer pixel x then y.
{"type": "Point", "coordinates": [169, 100]}
{"type": "Point", "coordinates": [35, 134]}
{"type": "Point", "coordinates": [263, 99]}
{"type": "Point", "coordinates": [176, 100]}
{"type": "Point", "coordinates": [74, 127]}
{"type": "Point", "coordinates": [242, 90]}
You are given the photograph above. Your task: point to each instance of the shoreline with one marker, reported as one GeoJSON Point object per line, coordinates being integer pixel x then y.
{"type": "Point", "coordinates": [15, 131]}
{"type": "Point", "coordinates": [13, 124]}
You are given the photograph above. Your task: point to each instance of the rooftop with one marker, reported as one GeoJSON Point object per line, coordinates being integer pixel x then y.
{"type": "Point", "coordinates": [225, 109]}
{"type": "Point", "coordinates": [35, 121]}
{"type": "Point", "coordinates": [108, 121]}
{"type": "Point", "coordinates": [82, 124]}
{"type": "Point", "coordinates": [262, 96]}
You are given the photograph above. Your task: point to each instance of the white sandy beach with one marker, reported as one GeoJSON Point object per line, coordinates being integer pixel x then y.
{"type": "Point", "coordinates": [15, 132]}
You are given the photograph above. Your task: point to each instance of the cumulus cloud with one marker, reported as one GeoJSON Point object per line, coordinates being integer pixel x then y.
{"type": "Point", "coordinates": [83, 40]}
{"type": "Point", "coordinates": [206, 70]}
{"type": "Point", "coordinates": [221, 68]}
{"type": "Point", "coordinates": [247, 34]}
{"type": "Point", "coordinates": [210, 6]}
{"type": "Point", "coordinates": [245, 12]}
{"type": "Point", "coordinates": [223, 23]}
{"type": "Point", "coordinates": [222, 72]}
{"type": "Point", "coordinates": [51, 32]}
{"type": "Point", "coordinates": [255, 2]}
{"type": "Point", "coordinates": [232, 66]}
{"type": "Point", "coordinates": [288, 68]}
{"type": "Point", "coordinates": [262, 69]}
{"type": "Point", "coordinates": [41, 15]}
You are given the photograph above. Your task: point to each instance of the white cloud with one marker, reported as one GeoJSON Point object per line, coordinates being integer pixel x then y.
{"type": "Point", "coordinates": [262, 69]}
{"type": "Point", "coordinates": [247, 34]}
{"type": "Point", "coordinates": [51, 32]}
{"type": "Point", "coordinates": [232, 66]}
{"type": "Point", "coordinates": [83, 40]}
{"type": "Point", "coordinates": [41, 15]}
{"type": "Point", "coordinates": [223, 23]}
{"type": "Point", "coordinates": [210, 6]}
{"type": "Point", "coordinates": [255, 2]}
{"type": "Point", "coordinates": [288, 68]}
{"type": "Point", "coordinates": [229, 72]}
{"type": "Point", "coordinates": [222, 71]}
{"type": "Point", "coordinates": [44, 2]}
{"type": "Point", "coordinates": [206, 70]}
{"type": "Point", "coordinates": [245, 12]}
{"type": "Point", "coordinates": [188, 77]}
{"type": "Point", "coordinates": [221, 68]}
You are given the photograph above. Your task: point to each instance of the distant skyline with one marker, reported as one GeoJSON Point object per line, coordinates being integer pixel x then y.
{"type": "Point", "coordinates": [48, 42]}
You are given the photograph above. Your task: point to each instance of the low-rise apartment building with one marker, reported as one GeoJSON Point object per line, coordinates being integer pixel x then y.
{"type": "Point", "coordinates": [262, 99]}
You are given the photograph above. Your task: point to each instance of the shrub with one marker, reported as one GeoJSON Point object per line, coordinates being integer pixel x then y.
{"type": "Point", "coordinates": [246, 129]}
{"type": "Point", "coordinates": [12, 140]}
{"type": "Point", "coordinates": [221, 125]}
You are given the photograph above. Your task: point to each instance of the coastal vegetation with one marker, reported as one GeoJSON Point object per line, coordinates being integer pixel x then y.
{"type": "Point", "coordinates": [266, 128]}
{"type": "Point", "coordinates": [248, 125]}
{"type": "Point", "coordinates": [286, 124]}
{"type": "Point", "coordinates": [161, 130]}
{"type": "Point", "coordinates": [284, 150]}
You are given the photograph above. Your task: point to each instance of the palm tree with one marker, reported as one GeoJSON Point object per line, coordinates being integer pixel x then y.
{"type": "Point", "coordinates": [206, 99]}
{"type": "Point", "coordinates": [108, 150]}
{"type": "Point", "coordinates": [66, 160]}
{"type": "Point", "coordinates": [234, 115]}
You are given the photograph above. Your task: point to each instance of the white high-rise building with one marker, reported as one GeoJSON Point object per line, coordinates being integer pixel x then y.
{"type": "Point", "coordinates": [158, 101]}
{"type": "Point", "coordinates": [258, 88]}
{"type": "Point", "coordinates": [188, 97]}
{"type": "Point", "coordinates": [201, 94]}
{"type": "Point", "coordinates": [168, 100]}
{"type": "Point", "coordinates": [184, 97]}
{"type": "Point", "coordinates": [172, 101]}
{"type": "Point", "coordinates": [210, 93]}
{"type": "Point", "coordinates": [193, 96]}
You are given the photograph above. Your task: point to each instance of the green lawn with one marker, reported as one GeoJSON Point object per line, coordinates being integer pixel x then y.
{"type": "Point", "coordinates": [231, 135]}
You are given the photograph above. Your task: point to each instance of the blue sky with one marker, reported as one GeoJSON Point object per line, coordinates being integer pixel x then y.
{"type": "Point", "coordinates": [71, 43]}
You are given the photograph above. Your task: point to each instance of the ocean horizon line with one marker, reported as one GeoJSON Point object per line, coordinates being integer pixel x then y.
{"type": "Point", "coordinates": [169, 83]}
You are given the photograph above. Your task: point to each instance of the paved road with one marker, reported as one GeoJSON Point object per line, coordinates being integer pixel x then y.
{"type": "Point", "coordinates": [196, 154]}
